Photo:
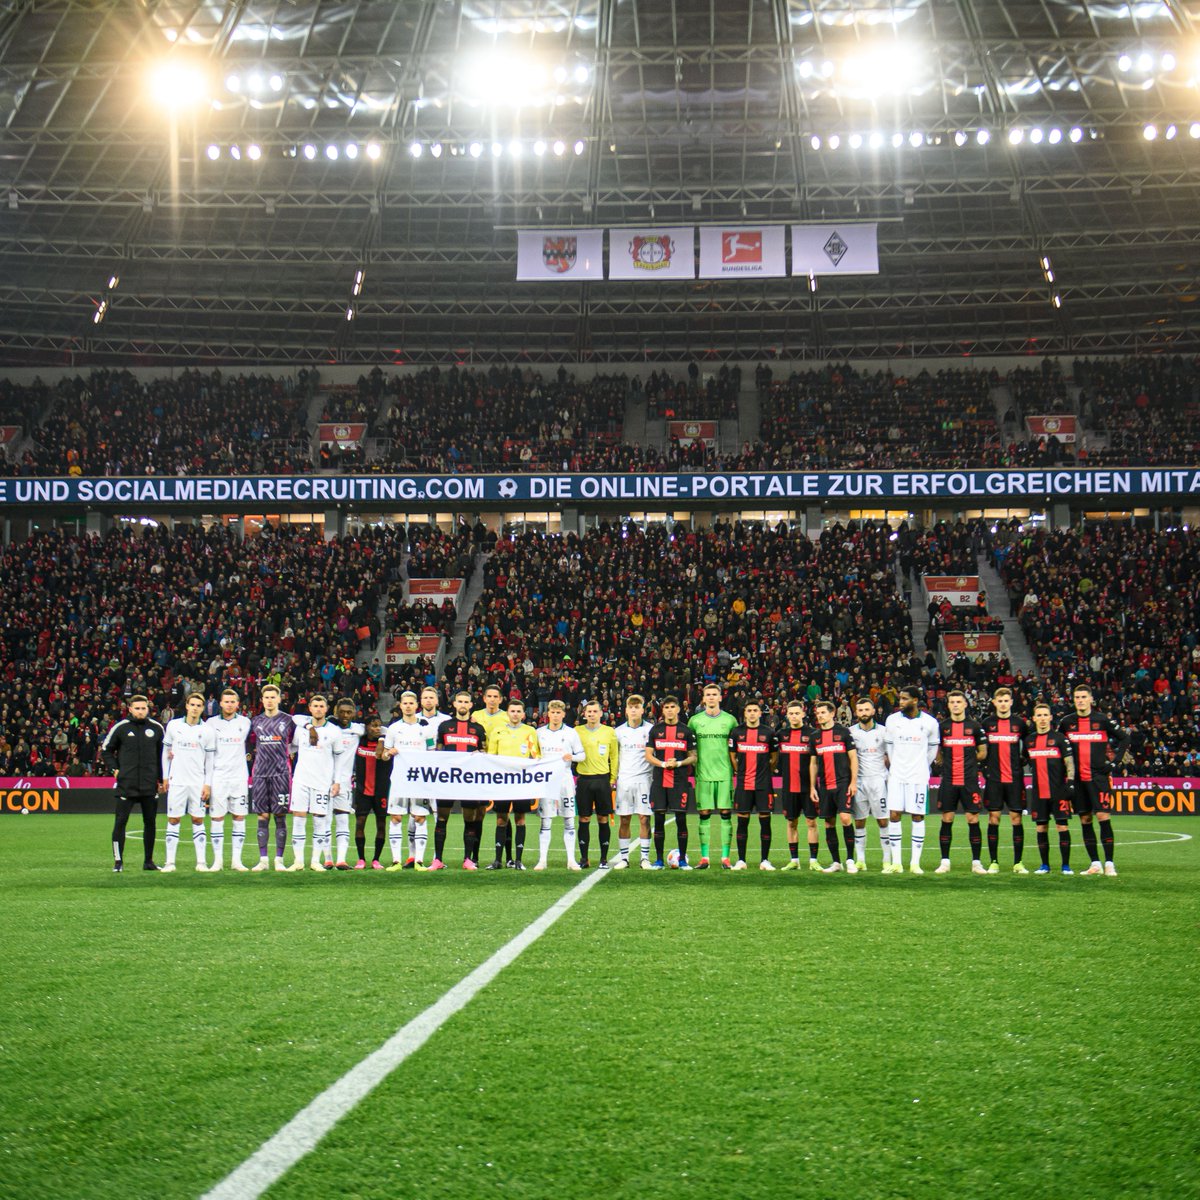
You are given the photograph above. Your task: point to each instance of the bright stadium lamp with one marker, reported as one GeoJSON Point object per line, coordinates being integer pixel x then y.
{"type": "Point", "coordinates": [373, 151]}
{"type": "Point", "coordinates": [177, 84]}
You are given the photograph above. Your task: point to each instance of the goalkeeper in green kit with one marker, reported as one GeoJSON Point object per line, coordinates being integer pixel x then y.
{"type": "Point", "coordinates": [714, 772]}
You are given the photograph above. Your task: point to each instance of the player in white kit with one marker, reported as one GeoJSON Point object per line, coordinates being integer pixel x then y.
{"type": "Point", "coordinates": [231, 780]}
{"type": "Point", "coordinates": [410, 732]}
{"type": "Point", "coordinates": [434, 720]}
{"type": "Point", "coordinates": [634, 776]}
{"type": "Point", "coordinates": [913, 738]}
{"type": "Point", "coordinates": [349, 732]}
{"type": "Point", "coordinates": [187, 761]}
{"type": "Point", "coordinates": [314, 781]}
{"type": "Point", "coordinates": [559, 741]}
{"type": "Point", "coordinates": [870, 800]}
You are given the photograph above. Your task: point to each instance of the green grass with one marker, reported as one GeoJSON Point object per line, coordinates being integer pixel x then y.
{"type": "Point", "coordinates": [673, 1035]}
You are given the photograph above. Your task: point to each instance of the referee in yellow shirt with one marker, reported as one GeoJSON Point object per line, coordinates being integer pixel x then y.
{"type": "Point", "coordinates": [492, 717]}
{"type": "Point", "coordinates": [513, 739]}
{"type": "Point", "coordinates": [595, 777]}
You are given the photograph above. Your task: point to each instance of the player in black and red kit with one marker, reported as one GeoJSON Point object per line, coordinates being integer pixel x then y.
{"type": "Point", "coordinates": [671, 750]}
{"type": "Point", "coordinates": [1005, 779]}
{"type": "Point", "coordinates": [465, 736]}
{"type": "Point", "coordinates": [834, 782]}
{"type": "Point", "coordinates": [1096, 741]}
{"type": "Point", "coordinates": [372, 779]}
{"type": "Point", "coordinates": [752, 752]}
{"type": "Point", "coordinates": [1052, 768]}
{"type": "Point", "coordinates": [795, 767]}
{"type": "Point", "coordinates": [963, 748]}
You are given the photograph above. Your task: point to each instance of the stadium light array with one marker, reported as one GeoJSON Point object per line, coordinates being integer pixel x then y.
{"type": "Point", "coordinates": [357, 286]}
{"type": "Point", "coordinates": [176, 84]}
{"type": "Point", "coordinates": [254, 83]}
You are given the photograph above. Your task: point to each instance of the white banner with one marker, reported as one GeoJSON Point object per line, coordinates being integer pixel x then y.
{"type": "Point", "coordinates": [449, 775]}
{"type": "Point", "coordinates": [740, 251]}
{"type": "Point", "coordinates": [847, 249]}
{"type": "Point", "coordinates": [561, 254]}
{"type": "Point", "coordinates": [961, 590]}
{"type": "Point", "coordinates": [653, 252]}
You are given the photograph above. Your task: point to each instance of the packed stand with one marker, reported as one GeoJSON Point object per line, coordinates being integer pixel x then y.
{"type": "Point", "coordinates": [839, 417]}
{"type": "Point", "coordinates": [504, 419]}
{"type": "Point", "coordinates": [1149, 409]}
{"type": "Point", "coordinates": [761, 610]}
{"type": "Point", "coordinates": [1115, 606]}
{"type": "Point", "coordinates": [701, 397]}
{"type": "Point", "coordinates": [112, 423]}
{"type": "Point", "coordinates": [95, 620]}
{"type": "Point", "coordinates": [21, 408]}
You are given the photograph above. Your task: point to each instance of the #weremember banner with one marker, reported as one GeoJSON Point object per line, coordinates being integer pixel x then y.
{"type": "Point", "coordinates": [448, 775]}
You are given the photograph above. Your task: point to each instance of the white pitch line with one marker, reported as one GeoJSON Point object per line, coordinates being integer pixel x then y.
{"type": "Point", "coordinates": [1160, 841]}
{"type": "Point", "coordinates": [276, 1156]}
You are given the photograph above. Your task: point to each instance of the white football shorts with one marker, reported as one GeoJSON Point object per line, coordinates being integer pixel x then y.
{"type": "Point", "coordinates": [909, 798]}
{"type": "Point", "coordinates": [870, 799]}
{"type": "Point", "coordinates": [309, 800]}
{"type": "Point", "coordinates": [184, 798]}
{"type": "Point", "coordinates": [633, 799]}
{"type": "Point", "coordinates": [229, 798]}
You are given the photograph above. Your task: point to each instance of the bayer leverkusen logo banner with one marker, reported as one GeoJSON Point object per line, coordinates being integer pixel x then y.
{"type": "Point", "coordinates": [846, 249]}
{"type": "Point", "coordinates": [652, 252]}
{"type": "Point", "coordinates": [1053, 425]}
{"type": "Point", "coordinates": [560, 254]}
{"type": "Point", "coordinates": [742, 251]}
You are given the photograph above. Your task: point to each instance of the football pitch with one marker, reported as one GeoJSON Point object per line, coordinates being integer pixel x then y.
{"type": "Point", "coordinates": [681, 1035]}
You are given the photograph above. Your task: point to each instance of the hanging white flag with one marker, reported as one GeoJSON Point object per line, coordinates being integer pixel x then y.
{"type": "Point", "coordinates": [741, 251]}
{"type": "Point", "coordinates": [655, 252]}
{"type": "Point", "coordinates": [847, 249]}
{"type": "Point", "coordinates": [560, 254]}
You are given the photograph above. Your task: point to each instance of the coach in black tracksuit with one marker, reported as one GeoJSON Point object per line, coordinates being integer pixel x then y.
{"type": "Point", "coordinates": [132, 751]}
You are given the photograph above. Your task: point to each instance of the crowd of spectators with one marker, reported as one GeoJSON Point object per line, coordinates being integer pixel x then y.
{"type": "Point", "coordinates": [1118, 606]}
{"type": "Point", "coordinates": [91, 621]}
{"type": "Point", "coordinates": [112, 423]}
{"type": "Point", "coordinates": [701, 397]}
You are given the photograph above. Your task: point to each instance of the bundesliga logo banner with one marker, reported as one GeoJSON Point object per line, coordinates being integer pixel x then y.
{"type": "Point", "coordinates": [564, 255]}
{"type": "Point", "coordinates": [845, 249]}
{"type": "Point", "coordinates": [737, 252]}
{"type": "Point", "coordinates": [448, 775]}
{"type": "Point", "coordinates": [652, 252]}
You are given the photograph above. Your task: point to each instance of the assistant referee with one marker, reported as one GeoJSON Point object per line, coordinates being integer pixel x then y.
{"type": "Point", "coordinates": [595, 777]}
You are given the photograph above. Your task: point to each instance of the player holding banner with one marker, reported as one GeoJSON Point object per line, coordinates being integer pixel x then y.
{"type": "Point", "coordinates": [912, 745]}
{"type": "Point", "coordinates": [559, 741]}
{"type": "Point", "coordinates": [408, 733]}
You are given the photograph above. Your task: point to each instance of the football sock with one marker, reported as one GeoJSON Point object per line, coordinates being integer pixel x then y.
{"type": "Point", "coordinates": [993, 841]}
{"type": "Point", "coordinates": [320, 846]}
{"type": "Point", "coordinates": [726, 835]}
{"type": "Point", "coordinates": [1018, 841]}
{"type": "Point", "coordinates": [238, 840]}
{"type": "Point", "coordinates": [860, 844]}
{"type": "Point", "coordinates": [508, 842]}
{"type": "Point", "coordinates": [412, 833]}
{"type": "Point", "coordinates": [814, 848]}
{"type": "Point", "coordinates": [660, 835]}
{"type": "Point", "coordinates": [544, 835]}
{"type": "Point", "coordinates": [569, 837]}
{"type": "Point", "coordinates": [1064, 846]}
{"type": "Point", "coordinates": [976, 840]}
{"type": "Point", "coordinates": [501, 830]}
{"type": "Point", "coordinates": [585, 838]}
{"type": "Point", "coordinates": [396, 840]}
{"type": "Point", "coordinates": [623, 847]}
{"type": "Point", "coordinates": [381, 824]}
{"type": "Point", "coordinates": [420, 837]}
{"type": "Point", "coordinates": [280, 834]}
{"type": "Point", "coordinates": [200, 841]}
{"type": "Point", "coordinates": [743, 832]}
{"type": "Point", "coordinates": [360, 836]}
{"type": "Point", "coordinates": [764, 837]}
{"type": "Point", "coordinates": [1089, 841]}
{"type": "Point", "coordinates": [1043, 845]}
{"type": "Point", "coordinates": [793, 850]}
{"type": "Point", "coordinates": [341, 833]}
{"type": "Point", "coordinates": [520, 841]}
{"type": "Point", "coordinates": [1106, 839]}
{"type": "Point", "coordinates": [885, 844]}
{"type": "Point", "coordinates": [217, 832]}
{"type": "Point", "coordinates": [916, 838]}
{"type": "Point", "coordinates": [173, 843]}
{"type": "Point", "coordinates": [439, 834]}
{"type": "Point", "coordinates": [605, 832]}
{"type": "Point", "coordinates": [472, 831]}
{"type": "Point", "coordinates": [264, 837]}
{"type": "Point", "coordinates": [645, 845]}
{"type": "Point", "coordinates": [705, 818]}
{"type": "Point", "coordinates": [681, 833]}
{"type": "Point", "coordinates": [945, 837]}
{"type": "Point", "coordinates": [831, 840]}
{"type": "Point", "coordinates": [848, 838]}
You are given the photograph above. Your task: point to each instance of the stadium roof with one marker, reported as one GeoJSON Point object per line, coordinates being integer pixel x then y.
{"type": "Point", "coordinates": [192, 184]}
